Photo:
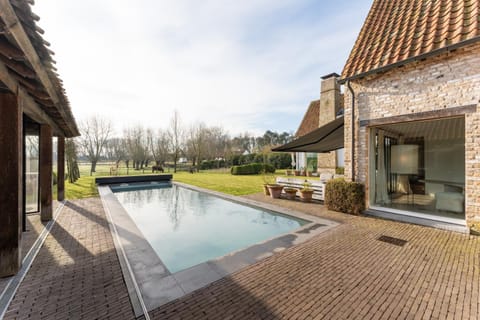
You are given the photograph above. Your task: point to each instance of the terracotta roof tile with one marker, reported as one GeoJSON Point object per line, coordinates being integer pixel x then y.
{"type": "Point", "coordinates": [311, 119]}
{"type": "Point", "coordinates": [396, 30]}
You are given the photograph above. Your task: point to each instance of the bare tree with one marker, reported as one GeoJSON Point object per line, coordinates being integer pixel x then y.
{"type": "Point", "coordinates": [95, 132]}
{"type": "Point", "coordinates": [175, 135]}
{"type": "Point", "coordinates": [196, 143]}
{"type": "Point", "coordinates": [158, 144]}
{"type": "Point", "coordinates": [73, 172]}
{"type": "Point", "coordinates": [137, 146]}
{"type": "Point", "coordinates": [116, 150]}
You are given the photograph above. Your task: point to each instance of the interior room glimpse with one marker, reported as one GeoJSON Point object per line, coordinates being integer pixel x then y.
{"type": "Point", "coordinates": [419, 167]}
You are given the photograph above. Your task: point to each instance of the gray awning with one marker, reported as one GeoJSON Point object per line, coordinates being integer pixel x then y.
{"type": "Point", "coordinates": [324, 139]}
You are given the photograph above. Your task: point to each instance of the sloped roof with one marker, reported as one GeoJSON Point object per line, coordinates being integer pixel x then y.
{"type": "Point", "coordinates": [28, 60]}
{"type": "Point", "coordinates": [310, 120]}
{"type": "Point", "coordinates": [396, 31]}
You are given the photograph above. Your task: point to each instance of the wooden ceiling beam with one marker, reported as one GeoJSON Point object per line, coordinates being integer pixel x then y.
{"type": "Point", "coordinates": [18, 67]}
{"type": "Point", "coordinates": [30, 107]}
{"type": "Point", "coordinates": [15, 27]}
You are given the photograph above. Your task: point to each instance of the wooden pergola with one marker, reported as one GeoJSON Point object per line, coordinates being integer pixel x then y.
{"type": "Point", "coordinates": [29, 89]}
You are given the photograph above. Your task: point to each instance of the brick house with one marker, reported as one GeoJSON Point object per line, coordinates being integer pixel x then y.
{"type": "Point", "coordinates": [412, 118]}
{"type": "Point", "coordinates": [319, 112]}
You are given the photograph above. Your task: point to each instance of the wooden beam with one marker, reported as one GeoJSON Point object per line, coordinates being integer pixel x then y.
{"type": "Point", "coordinates": [15, 27]}
{"type": "Point", "coordinates": [11, 188]}
{"type": "Point", "coordinates": [61, 168]}
{"type": "Point", "coordinates": [46, 209]}
{"type": "Point", "coordinates": [30, 107]}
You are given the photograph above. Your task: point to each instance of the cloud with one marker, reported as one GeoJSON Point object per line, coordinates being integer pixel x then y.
{"type": "Point", "coordinates": [223, 62]}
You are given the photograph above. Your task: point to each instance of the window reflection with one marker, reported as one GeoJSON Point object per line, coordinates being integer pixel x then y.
{"type": "Point", "coordinates": [31, 173]}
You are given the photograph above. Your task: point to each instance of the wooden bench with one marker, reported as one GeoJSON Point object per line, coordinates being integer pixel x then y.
{"type": "Point", "coordinates": [317, 186]}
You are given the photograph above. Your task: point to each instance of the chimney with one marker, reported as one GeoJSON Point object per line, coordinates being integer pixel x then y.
{"type": "Point", "coordinates": [329, 99]}
{"type": "Point", "coordinates": [330, 105]}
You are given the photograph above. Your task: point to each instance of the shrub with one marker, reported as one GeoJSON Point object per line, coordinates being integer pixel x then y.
{"type": "Point", "coordinates": [212, 164]}
{"type": "Point", "coordinates": [339, 170]}
{"type": "Point", "coordinates": [252, 168]}
{"type": "Point", "coordinates": [280, 160]}
{"type": "Point", "coordinates": [54, 178]}
{"type": "Point", "coordinates": [343, 196]}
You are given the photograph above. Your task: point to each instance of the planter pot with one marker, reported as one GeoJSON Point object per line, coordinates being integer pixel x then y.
{"type": "Point", "coordinates": [265, 190]}
{"type": "Point", "coordinates": [290, 193]}
{"type": "Point", "coordinates": [275, 190]}
{"type": "Point", "coordinates": [310, 173]}
{"type": "Point", "coordinates": [306, 196]}
{"type": "Point", "coordinates": [297, 172]}
{"type": "Point", "coordinates": [288, 172]}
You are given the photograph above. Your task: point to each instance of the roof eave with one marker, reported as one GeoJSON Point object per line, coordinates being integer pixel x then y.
{"type": "Point", "coordinates": [411, 59]}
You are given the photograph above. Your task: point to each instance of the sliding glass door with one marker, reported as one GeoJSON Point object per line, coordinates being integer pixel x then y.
{"type": "Point", "coordinates": [31, 168]}
{"type": "Point", "coordinates": [419, 167]}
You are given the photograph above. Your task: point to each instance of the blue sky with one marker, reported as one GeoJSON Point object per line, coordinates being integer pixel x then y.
{"type": "Point", "coordinates": [247, 65]}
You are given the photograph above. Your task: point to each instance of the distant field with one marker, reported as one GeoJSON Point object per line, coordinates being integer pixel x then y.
{"type": "Point", "coordinates": [219, 180]}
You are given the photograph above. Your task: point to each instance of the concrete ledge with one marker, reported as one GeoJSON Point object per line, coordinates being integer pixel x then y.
{"type": "Point", "coordinates": [131, 179]}
{"type": "Point", "coordinates": [419, 221]}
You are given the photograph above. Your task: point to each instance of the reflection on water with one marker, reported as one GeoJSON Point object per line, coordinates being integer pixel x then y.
{"type": "Point", "coordinates": [186, 227]}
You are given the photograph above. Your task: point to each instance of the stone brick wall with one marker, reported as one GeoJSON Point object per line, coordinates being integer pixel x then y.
{"type": "Point", "coordinates": [446, 81]}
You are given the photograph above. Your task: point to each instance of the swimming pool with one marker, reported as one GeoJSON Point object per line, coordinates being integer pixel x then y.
{"type": "Point", "coordinates": [173, 238]}
{"type": "Point", "coordinates": [186, 227]}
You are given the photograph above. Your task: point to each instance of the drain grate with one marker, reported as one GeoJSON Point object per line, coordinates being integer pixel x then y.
{"type": "Point", "coordinates": [392, 240]}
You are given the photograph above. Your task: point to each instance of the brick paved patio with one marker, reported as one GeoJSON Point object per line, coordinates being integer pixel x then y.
{"type": "Point", "coordinates": [343, 273]}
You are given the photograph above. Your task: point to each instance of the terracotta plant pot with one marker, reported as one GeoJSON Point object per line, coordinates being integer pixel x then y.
{"type": "Point", "coordinates": [275, 190]}
{"type": "Point", "coordinates": [309, 173]}
{"type": "Point", "coordinates": [265, 190]}
{"type": "Point", "coordinates": [290, 193]}
{"type": "Point", "coordinates": [288, 172]}
{"type": "Point", "coordinates": [297, 172]}
{"type": "Point", "coordinates": [306, 195]}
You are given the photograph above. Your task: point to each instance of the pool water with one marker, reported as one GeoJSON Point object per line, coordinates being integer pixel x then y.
{"type": "Point", "coordinates": [187, 227]}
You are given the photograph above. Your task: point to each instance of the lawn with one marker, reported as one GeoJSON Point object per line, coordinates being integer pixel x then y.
{"type": "Point", "coordinates": [218, 180]}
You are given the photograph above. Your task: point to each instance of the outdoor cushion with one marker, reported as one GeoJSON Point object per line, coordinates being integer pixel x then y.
{"type": "Point", "coordinates": [324, 177]}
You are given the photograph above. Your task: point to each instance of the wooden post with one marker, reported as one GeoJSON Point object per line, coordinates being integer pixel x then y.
{"type": "Point", "coordinates": [46, 210]}
{"type": "Point", "coordinates": [60, 168]}
{"type": "Point", "coordinates": [11, 186]}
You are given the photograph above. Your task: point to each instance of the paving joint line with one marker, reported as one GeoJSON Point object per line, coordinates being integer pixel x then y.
{"type": "Point", "coordinates": [118, 245]}
{"type": "Point", "coordinates": [16, 280]}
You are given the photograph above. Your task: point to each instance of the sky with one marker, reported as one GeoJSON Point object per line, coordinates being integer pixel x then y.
{"type": "Point", "coordinates": [248, 66]}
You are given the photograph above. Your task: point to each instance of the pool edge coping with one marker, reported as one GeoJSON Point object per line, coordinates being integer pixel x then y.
{"type": "Point", "coordinates": [186, 281]}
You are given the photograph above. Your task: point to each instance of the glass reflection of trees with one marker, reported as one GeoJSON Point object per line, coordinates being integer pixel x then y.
{"type": "Point", "coordinates": [31, 172]}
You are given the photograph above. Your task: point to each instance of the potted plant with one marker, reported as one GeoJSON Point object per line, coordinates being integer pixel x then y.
{"type": "Point", "coordinates": [275, 190]}
{"type": "Point", "coordinates": [306, 193]}
{"type": "Point", "coordinates": [267, 179]}
{"type": "Point", "coordinates": [290, 193]}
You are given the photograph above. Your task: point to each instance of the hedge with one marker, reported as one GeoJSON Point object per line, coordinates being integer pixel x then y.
{"type": "Point", "coordinates": [343, 196]}
{"type": "Point", "coordinates": [278, 159]}
{"type": "Point", "coordinates": [252, 168]}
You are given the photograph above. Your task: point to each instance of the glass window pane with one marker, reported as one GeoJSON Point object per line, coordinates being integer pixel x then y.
{"type": "Point", "coordinates": [31, 173]}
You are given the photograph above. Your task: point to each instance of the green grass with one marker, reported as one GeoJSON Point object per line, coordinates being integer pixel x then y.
{"type": "Point", "coordinates": [219, 180]}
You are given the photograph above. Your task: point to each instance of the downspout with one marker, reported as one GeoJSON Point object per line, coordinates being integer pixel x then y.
{"type": "Point", "coordinates": [353, 129]}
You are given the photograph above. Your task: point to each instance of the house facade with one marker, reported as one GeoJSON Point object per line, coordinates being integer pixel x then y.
{"type": "Point", "coordinates": [319, 113]}
{"type": "Point", "coordinates": [412, 116]}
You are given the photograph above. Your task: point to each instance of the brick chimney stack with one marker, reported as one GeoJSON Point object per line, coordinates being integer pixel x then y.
{"type": "Point", "coordinates": [330, 105]}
